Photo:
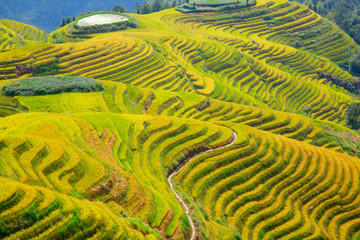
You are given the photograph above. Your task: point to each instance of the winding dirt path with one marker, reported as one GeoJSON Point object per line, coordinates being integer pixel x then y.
{"type": "Point", "coordinates": [179, 196]}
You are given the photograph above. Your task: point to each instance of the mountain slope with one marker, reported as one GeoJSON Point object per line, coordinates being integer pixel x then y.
{"type": "Point", "coordinates": [255, 97]}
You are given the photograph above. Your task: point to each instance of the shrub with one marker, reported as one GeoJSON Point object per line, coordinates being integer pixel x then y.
{"type": "Point", "coordinates": [50, 85]}
{"type": "Point", "coordinates": [353, 115]}
{"type": "Point", "coordinates": [119, 9]}
{"type": "Point", "coordinates": [48, 69]}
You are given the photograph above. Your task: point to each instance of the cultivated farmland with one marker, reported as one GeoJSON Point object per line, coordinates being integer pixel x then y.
{"type": "Point", "coordinates": [246, 106]}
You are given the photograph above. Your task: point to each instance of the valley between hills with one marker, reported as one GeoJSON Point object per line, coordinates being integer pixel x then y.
{"type": "Point", "coordinates": [210, 121]}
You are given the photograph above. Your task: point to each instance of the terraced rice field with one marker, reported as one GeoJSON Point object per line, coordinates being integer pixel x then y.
{"type": "Point", "coordinates": [240, 61]}
{"type": "Point", "coordinates": [83, 161]}
{"type": "Point", "coordinates": [211, 125]}
{"type": "Point", "coordinates": [15, 34]}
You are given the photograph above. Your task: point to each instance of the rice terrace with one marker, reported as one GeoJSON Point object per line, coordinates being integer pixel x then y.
{"type": "Point", "coordinates": [208, 119]}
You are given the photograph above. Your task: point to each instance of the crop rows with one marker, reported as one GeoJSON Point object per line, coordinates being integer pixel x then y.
{"type": "Point", "coordinates": [128, 99]}
{"type": "Point", "coordinates": [9, 40]}
{"type": "Point", "coordinates": [95, 165]}
{"type": "Point", "coordinates": [291, 15]}
{"type": "Point", "coordinates": [268, 186]}
{"type": "Point", "coordinates": [48, 153]}
{"type": "Point", "coordinates": [35, 212]}
{"type": "Point", "coordinates": [138, 151]}
{"type": "Point", "coordinates": [260, 80]}
{"type": "Point", "coordinates": [24, 31]}
{"type": "Point", "coordinates": [129, 61]}
{"type": "Point", "coordinates": [245, 65]}
{"type": "Point", "coordinates": [15, 34]}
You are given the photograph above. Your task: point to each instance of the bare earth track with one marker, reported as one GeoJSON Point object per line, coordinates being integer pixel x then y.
{"type": "Point", "coordinates": [178, 195]}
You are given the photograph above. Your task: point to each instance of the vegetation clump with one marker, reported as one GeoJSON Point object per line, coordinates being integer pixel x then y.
{"type": "Point", "coordinates": [50, 85]}
{"type": "Point", "coordinates": [49, 68]}
{"type": "Point", "coordinates": [353, 115]}
{"type": "Point", "coordinates": [354, 63]}
{"type": "Point", "coordinates": [120, 9]}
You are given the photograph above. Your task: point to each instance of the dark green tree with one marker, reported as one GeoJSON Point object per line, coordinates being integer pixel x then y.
{"type": "Point", "coordinates": [353, 115]}
{"type": "Point", "coordinates": [137, 8]}
{"type": "Point", "coordinates": [354, 63]}
{"type": "Point", "coordinates": [68, 20]}
{"type": "Point", "coordinates": [157, 6]}
{"type": "Point", "coordinates": [310, 4]}
{"type": "Point", "coordinates": [146, 8]}
{"type": "Point", "coordinates": [63, 23]}
{"type": "Point", "coordinates": [119, 9]}
{"type": "Point", "coordinates": [167, 5]}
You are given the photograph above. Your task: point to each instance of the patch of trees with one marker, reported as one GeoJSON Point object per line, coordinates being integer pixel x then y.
{"type": "Point", "coordinates": [120, 9]}
{"type": "Point", "coordinates": [67, 20]}
{"type": "Point", "coordinates": [353, 115]}
{"type": "Point", "coordinates": [354, 64]}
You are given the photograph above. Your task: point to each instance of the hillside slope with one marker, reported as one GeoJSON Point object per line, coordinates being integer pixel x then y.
{"type": "Point", "coordinates": [44, 15]}
{"type": "Point", "coordinates": [249, 105]}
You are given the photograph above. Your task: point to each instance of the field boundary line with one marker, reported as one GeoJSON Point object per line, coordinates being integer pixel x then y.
{"type": "Point", "coordinates": [179, 196]}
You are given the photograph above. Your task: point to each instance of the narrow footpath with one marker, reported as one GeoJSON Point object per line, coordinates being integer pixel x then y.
{"type": "Point", "coordinates": [179, 196]}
